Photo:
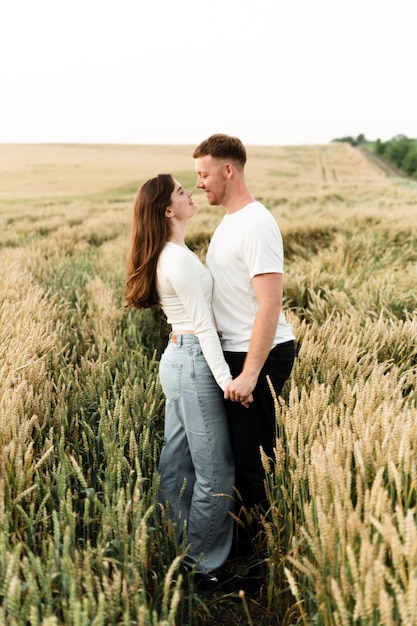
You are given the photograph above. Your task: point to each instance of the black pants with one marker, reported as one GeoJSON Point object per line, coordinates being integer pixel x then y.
{"type": "Point", "coordinates": [255, 426]}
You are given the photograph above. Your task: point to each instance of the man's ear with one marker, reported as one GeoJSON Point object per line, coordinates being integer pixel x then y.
{"type": "Point", "coordinates": [228, 170]}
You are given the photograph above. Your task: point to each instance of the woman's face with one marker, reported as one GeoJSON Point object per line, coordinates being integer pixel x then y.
{"type": "Point", "coordinates": [182, 205]}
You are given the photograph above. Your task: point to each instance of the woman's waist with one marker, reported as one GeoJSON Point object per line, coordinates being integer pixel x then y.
{"type": "Point", "coordinates": [181, 337]}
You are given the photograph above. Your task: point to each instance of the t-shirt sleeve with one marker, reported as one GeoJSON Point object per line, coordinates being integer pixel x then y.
{"type": "Point", "coordinates": [263, 249]}
{"type": "Point", "coordinates": [185, 277]}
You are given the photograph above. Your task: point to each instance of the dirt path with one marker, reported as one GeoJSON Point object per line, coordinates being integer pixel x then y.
{"type": "Point", "coordinates": [389, 169]}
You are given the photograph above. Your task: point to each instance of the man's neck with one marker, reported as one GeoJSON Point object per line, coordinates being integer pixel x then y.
{"type": "Point", "coordinates": [237, 202]}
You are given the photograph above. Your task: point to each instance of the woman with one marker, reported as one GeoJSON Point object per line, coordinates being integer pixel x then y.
{"type": "Point", "coordinates": [196, 463]}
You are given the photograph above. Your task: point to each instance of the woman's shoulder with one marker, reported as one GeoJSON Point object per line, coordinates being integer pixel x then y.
{"type": "Point", "coordinates": [174, 256]}
{"type": "Point", "coordinates": [171, 250]}
{"type": "Point", "coordinates": [176, 248]}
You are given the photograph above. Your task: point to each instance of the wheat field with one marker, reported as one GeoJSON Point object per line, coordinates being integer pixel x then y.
{"type": "Point", "coordinates": [82, 540]}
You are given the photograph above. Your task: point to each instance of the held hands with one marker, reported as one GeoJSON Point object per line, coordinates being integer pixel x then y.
{"type": "Point", "coordinates": [240, 389]}
{"type": "Point", "coordinates": [247, 402]}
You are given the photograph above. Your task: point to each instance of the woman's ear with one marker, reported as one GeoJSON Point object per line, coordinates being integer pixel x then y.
{"type": "Point", "coordinates": [169, 212]}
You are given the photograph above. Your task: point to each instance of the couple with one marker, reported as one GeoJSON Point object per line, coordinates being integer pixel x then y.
{"type": "Point", "coordinates": [228, 335]}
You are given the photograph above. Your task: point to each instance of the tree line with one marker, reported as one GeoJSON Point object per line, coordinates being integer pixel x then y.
{"type": "Point", "coordinates": [399, 151]}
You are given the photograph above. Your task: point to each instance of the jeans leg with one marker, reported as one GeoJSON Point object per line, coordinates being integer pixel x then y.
{"type": "Point", "coordinates": [176, 468]}
{"type": "Point", "coordinates": [210, 526]}
{"type": "Point", "coordinates": [203, 438]}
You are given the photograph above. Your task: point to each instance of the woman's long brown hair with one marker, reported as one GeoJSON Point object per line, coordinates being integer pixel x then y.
{"type": "Point", "coordinates": [150, 232]}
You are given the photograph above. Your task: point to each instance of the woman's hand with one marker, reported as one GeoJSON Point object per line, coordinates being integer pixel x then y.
{"type": "Point", "coordinates": [247, 402]}
{"type": "Point", "coordinates": [244, 397]}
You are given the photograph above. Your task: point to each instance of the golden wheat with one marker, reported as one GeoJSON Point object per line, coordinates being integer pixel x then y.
{"type": "Point", "coordinates": [82, 538]}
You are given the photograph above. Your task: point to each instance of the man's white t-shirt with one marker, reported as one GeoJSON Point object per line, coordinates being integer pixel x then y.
{"type": "Point", "coordinates": [245, 243]}
{"type": "Point", "coordinates": [185, 290]}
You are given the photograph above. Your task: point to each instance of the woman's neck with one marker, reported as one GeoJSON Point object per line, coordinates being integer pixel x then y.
{"type": "Point", "coordinates": [178, 236]}
{"type": "Point", "coordinates": [177, 242]}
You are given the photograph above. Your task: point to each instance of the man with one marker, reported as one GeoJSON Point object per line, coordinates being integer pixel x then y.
{"type": "Point", "coordinates": [245, 258]}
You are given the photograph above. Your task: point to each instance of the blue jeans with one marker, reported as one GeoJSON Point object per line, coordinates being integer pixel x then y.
{"type": "Point", "coordinates": [196, 465]}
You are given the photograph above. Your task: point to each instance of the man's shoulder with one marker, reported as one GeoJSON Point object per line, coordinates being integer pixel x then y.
{"type": "Point", "coordinates": [256, 210]}
{"type": "Point", "coordinates": [258, 216]}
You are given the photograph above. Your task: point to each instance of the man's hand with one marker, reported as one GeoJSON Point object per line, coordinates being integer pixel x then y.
{"type": "Point", "coordinates": [240, 389]}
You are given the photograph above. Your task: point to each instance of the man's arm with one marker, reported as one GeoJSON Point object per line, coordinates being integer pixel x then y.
{"type": "Point", "coordinates": [268, 293]}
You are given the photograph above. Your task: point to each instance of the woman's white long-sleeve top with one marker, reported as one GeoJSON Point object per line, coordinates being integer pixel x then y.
{"type": "Point", "coordinates": [185, 289]}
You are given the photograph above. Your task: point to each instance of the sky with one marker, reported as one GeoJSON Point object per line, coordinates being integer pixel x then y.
{"type": "Point", "coordinates": [272, 72]}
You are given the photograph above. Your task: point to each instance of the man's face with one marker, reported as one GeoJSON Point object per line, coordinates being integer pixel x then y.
{"type": "Point", "coordinates": [211, 178]}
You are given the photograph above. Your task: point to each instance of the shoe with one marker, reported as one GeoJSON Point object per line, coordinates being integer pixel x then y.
{"type": "Point", "coordinates": [207, 583]}
{"type": "Point", "coordinates": [222, 581]}
{"type": "Point", "coordinates": [248, 584]}
{"type": "Point", "coordinates": [227, 582]}
{"type": "Point", "coordinates": [202, 580]}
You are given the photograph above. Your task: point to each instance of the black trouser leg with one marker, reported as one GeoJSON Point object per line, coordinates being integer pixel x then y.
{"type": "Point", "coordinates": [253, 427]}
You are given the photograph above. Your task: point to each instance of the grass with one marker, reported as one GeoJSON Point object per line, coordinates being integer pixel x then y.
{"type": "Point", "coordinates": [82, 537]}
